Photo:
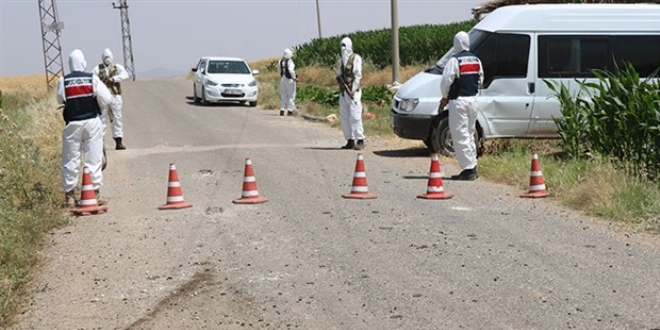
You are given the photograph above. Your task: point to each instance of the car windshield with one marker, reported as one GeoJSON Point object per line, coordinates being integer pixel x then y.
{"type": "Point", "coordinates": [226, 66]}
{"type": "Point", "coordinates": [476, 38]}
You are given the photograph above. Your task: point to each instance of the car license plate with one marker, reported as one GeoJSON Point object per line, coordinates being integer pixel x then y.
{"type": "Point", "coordinates": [233, 91]}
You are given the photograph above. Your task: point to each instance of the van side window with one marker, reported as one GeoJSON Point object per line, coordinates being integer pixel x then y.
{"type": "Point", "coordinates": [504, 55]}
{"type": "Point", "coordinates": [575, 56]}
{"type": "Point", "coordinates": [642, 51]}
{"type": "Point", "coordinates": [571, 56]}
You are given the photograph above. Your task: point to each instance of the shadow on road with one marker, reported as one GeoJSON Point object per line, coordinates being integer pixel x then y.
{"type": "Point", "coordinates": [400, 153]}
{"type": "Point", "coordinates": [416, 177]}
{"type": "Point", "coordinates": [325, 148]}
{"type": "Point", "coordinates": [191, 101]}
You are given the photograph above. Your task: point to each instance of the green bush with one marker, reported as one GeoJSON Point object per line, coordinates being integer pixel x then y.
{"type": "Point", "coordinates": [329, 97]}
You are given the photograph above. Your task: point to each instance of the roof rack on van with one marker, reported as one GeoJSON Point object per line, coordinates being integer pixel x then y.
{"type": "Point", "coordinates": [483, 9]}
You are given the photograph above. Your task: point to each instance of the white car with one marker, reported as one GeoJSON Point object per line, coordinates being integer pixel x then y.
{"type": "Point", "coordinates": [224, 79]}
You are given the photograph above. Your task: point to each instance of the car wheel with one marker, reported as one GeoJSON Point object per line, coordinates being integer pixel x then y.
{"type": "Point", "coordinates": [252, 104]}
{"type": "Point", "coordinates": [204, 101]}
{"type": "Point", "coordinates": [195, 98]}
{"type": "Point", "coordinates": [442, 143]}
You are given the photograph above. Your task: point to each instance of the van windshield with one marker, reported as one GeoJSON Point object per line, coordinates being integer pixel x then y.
{"type": "Point", "coordinates": [477, 37]}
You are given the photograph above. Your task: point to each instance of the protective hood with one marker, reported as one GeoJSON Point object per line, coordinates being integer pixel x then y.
{"type": "Point", "coordinates": [77, 60]}
{"type": "Point", "coordinates": [461, 42]}
{"type": "Point", "coordinates": [287, 53]}
{"type": "Point", "coordinates": [346, 49]}
{"type": "Point", "coordinates": [107, 57]}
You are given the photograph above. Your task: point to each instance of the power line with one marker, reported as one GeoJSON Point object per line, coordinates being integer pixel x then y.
{"type": "Point", "coordinates": [50, 37]}
{"type": "Point", "coordinates": [126, 37]}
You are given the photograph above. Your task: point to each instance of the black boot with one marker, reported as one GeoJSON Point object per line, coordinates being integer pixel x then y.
{"type": "Point", "coordinates": [466, 175]}
{"type": "Point", "coordinates": [359, 145]}
{"type": "Point", "coordinates": [349, 144]}
{"type": "Point", "coordinates": [281, 112]}
{"type": "Point", "coordinates": [118, 144]}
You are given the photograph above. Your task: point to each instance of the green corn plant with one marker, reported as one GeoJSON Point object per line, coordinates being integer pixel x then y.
{"type": "Point", "coordinates": [573, 125]}
{"type": "Point", "coordinates": [617, 116]}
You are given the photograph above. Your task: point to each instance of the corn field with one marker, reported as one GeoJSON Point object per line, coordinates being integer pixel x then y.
{"type": "Point", "coordinates": [618, 117]}
{"type": "Point", "coordinates": [419, 44]}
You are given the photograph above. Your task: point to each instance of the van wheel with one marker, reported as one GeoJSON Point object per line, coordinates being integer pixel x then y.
{"type": "Point", "coordinates": [428, 143]}
{"type": "Point", "coordinates": [441, 141]}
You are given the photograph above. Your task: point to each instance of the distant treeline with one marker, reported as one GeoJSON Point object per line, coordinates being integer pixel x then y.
{"type": "Point", "coordinates": [419, 44]}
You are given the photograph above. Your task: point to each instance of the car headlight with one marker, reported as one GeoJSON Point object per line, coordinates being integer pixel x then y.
{"type": "Point", "coordinates": [408, 105]}
{"type": "Point", "coordinates": [252, 83]}
{"type": "Point", "coordinates": [210, 83]}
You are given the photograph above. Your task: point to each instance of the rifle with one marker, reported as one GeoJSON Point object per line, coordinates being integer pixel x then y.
{"type": "Point", "coordinates": [340, 80]}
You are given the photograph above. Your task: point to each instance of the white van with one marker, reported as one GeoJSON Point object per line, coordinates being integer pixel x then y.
{"type": "Point", "coordinates": [520, 46]}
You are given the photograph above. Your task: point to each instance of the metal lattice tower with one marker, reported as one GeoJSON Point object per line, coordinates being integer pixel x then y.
{"type": "Point", "coordinates": [50, 33]}
{"type": "Point", "coordinates": [126, 37]}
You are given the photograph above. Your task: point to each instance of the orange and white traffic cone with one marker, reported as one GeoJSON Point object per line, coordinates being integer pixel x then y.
{"type": "Point", "coordinates": [88, 203]}
{"type": "Point", "coordinates": [174, 193]}
{"type": "Point", "coordinates": [250, 193]}
{"type": "Point", "coordinates": [434, 189]}
{"type": "Point", "coordinates": [359, 188]}
{"type": "Point", "coordinates": [536, 183]}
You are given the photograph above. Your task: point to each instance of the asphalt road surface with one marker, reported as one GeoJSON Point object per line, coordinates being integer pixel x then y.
{"type": "Point", "coordinates": [310, 259]}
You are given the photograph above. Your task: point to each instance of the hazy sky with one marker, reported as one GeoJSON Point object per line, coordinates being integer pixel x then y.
{"type": "Point", "coordinates": [173, 35]}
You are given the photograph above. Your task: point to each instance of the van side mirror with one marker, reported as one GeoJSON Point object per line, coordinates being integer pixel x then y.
{"type": "Point", "coordinates": [255, 72]}
{"type": "Point", "coordinates": [193, 69]}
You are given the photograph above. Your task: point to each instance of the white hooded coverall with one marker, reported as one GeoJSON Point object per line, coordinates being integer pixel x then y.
{"type": "Point", "coordinates": [82, 139]}
{"type": "Point", "coordinates": [350, 109]}
{"type": "Point", "coordinates": [117, 102]}
{"type": "Point", "coordinates": [287, 85]}
{"type": "Point", "coordinates": [463, 110]}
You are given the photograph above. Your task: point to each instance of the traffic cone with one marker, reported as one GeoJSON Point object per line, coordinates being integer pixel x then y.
{"type": "Point", "coordinates": [250, 194]}
{"type": "Point", "coordinates": [434, 188]}
{"type": "Point", "coordinates": [359, 188]}
{"type": "Point", "coordinates": [88, 203]}
{"type": "Point", "coordinates": [536, 183]}
{"type": "Point", "coordinates": [174, 193]}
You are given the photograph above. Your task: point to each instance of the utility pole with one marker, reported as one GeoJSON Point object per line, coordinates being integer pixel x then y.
{"type": "Point", "coordinates": [318, 18]}
{"type": "Point", "coordinates": [126, 37]}
{"type": "Point", "coordinates": [50, 36]}
{"type": "Point", "coordinates": [395, 43]}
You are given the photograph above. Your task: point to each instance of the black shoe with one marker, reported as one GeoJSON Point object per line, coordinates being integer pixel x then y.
{"type": "Point", "coordinates": [349, 144]}
{"type": "Point", "coordinates": [118, 144]}
{"type": "Point", "coordinates": [359, 145]}
{"type": "Point", "coordinates": [281, 112]}
{"type": "Point", "coordinates": [466, 175]}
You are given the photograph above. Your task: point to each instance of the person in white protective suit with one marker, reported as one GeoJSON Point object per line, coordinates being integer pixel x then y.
{"type": "Point", "coordinates": [112, 73]}
{"type": "Point", "coordinates": [288, 80]}
{"type": "Point", "coordinates": [461, 79]}
{"type": "Point", "coordinates": [83, 95]}
{"type": "Point", "coordinates": [348, 77]}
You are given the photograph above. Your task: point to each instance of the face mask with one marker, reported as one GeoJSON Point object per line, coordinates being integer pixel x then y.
{"type": "Point", "coordinates": [107, 61]}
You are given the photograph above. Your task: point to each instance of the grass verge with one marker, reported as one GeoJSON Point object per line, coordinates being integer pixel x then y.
{"type": "Point", "coordinates": [29, 181]}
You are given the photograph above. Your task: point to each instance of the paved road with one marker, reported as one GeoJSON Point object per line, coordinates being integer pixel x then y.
{"type": "Point", "coordinates": [310, 259]}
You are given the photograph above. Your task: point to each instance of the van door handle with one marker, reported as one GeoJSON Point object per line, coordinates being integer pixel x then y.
{"type": "Point", "coordinates": [531, 87]}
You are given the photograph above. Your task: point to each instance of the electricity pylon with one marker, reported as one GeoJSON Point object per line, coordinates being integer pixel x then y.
{"type": "Point", "coordinates": [126, 37]}
{"type": "Point", "coordinates": [50, 33]}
